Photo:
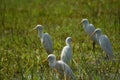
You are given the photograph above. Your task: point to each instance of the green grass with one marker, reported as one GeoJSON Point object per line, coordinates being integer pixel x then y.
{"type": "Point", "coordinates": [21, 52]}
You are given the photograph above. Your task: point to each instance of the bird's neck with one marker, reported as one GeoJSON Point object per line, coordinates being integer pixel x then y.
{"type": "Point", "coordinates": [98, 35]}
{"type": "Point", "coordinates": [52, 64]}
{"type": "Point", "coordinates": [86, 25]}
{"type": "Point", "coordinates": [40, 34]}
{"type": "Point", "coordinates": [68, 44]}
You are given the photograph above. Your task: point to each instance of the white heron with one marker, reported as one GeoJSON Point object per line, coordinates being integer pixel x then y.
{"type": "Point", "coordinates": [46, 39]}
{"type": "Point", "coordinates": [104, 42]}
{"type": "Point", "coordinates": [61, 68]}
{"type": "Point", "coordinates": [89, 29]}
{"type": "Point", "coordinates": [66, 54]}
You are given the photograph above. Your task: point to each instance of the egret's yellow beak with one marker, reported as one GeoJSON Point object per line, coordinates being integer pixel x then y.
{"type": "Point", "coordinates": [44, 61]}
{"type": "Point", "coordinates": [80, 22]}
{"type": "Point", "coordinates": [33, 29]}
{"type": "Point", "coordinates": [93, 34]}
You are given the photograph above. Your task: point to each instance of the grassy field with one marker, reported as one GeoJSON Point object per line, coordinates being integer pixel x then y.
{"type": "Point", "coordinates": [21, 52]}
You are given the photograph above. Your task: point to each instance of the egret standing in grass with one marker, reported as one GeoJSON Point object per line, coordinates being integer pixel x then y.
{"type": "Point", "coordinates": [89, 29]}
{"type": "Point", "coordinates": [63, 70]}
{"type": "Point", "coordinates": [66, 54]}
{"type": "Point", "coordinates": [45, 39]}
{"type": "Point", "coordinates": [104, 42]}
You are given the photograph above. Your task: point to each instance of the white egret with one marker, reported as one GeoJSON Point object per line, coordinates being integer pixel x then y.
{"type": "Point", "coordinates": [89, 29]}
{"type": "Point", "coordinates": [104, 42]}
{"type": "Point", "coordinates": [45, 39]}
{"type": "Point", "coordinates": [61, 68]}
{"type": "Point", "coordinates": [66, 54]}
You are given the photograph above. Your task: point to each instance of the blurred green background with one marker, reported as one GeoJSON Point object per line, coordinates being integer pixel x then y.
{"type": "Point", "coordinates": [21, 52]}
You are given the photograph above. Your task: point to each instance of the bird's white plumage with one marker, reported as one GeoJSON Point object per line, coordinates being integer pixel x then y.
{"type": "Point", "coordinates": [88, 28]}
{"type": "Point", "coordinates": [66, 54]}
{"type": "Point", "coordinates": [104, 42]}
{"type": "Point", "coordinates": [63, 70]}
{"type": "Point", "coordinates": [47, 43]}
{"type": "Point", "coordinates": [106, 45]}
{"type": "Point", "coordinates": [91, 29]}
{"type": "Point", "coordinates": [46, 39]}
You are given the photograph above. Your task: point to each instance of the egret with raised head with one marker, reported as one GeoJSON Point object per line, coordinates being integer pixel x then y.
{"type": "Point", "coordinates": [89, 29]}
{"type": "Point", "coordinates": [66, 54]}
{"type": "Point", "coordinates": [45, 38]}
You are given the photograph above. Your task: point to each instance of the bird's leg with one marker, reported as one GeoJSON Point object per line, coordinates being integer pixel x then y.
{"type": "Point", "coordinates": [106, 57]}
{"type": "Point", "coordinates": [93, 45]}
